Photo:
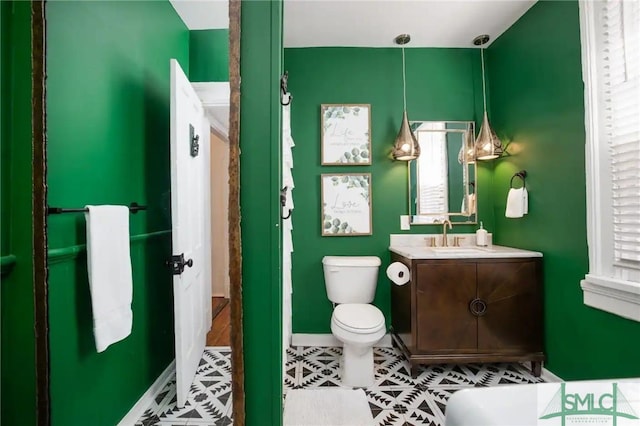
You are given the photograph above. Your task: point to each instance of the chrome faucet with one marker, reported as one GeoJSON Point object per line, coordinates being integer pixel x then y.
{"type": "Point", "coordinates": [444, 232]}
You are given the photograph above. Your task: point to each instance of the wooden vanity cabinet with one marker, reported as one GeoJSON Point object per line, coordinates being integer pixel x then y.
{"type": "Point", "coordinates": [469, 310]}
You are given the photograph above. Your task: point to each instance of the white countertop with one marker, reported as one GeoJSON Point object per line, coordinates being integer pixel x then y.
{"type": "Point", "coordinates": [464, 252]}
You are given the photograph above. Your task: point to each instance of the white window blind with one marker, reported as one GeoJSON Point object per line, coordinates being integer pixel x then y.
{"type": "Point", "coordinates": [610, 43]}
{"type": "Point", "coordinates": [620, 68]}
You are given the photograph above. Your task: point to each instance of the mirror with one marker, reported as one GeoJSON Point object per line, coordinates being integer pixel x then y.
{"type": "Point", "coordinates": [442, 181]}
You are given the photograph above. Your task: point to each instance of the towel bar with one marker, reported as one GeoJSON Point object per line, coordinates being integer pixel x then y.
{"type": "Point", "coordinates": [133, 208]}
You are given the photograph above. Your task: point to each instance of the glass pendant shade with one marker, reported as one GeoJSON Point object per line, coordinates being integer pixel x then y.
{"type": "Point", "coordinates": [488, 146]}
{"type": "Point", "coordinates": [406, 145]}
{"type": "Point", "coordinates": [470, 147]}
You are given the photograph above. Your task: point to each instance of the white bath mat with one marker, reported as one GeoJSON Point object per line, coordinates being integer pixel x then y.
{"type": "Point", "coordinates": [327, 407]}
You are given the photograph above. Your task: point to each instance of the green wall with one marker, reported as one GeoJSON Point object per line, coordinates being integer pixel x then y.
{"type": "Point", "coordinates": [537, 104]}
{"type": "Point", "coordinates": [18, 344]}
{"type": "Point", "coordinates": [209, 55]}
{"type": "Point", "coordinates": [442, 84]}
{"type": "Point", "coordinates": [260, 141]}
{"type": "Point", "coordinates": [5, 89]}
{"type": "Point", "coordinates": [108, 143]}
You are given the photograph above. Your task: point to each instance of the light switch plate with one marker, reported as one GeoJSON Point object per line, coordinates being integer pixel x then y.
{"type": "Point", "coordinates": [404, 223]}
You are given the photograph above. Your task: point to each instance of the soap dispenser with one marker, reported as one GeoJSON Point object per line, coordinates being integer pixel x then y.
{"type": "Point", "coordinates": [481, 236]}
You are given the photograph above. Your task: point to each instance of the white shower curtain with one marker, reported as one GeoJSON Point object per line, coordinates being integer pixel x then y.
{"type": "Point", "coordinates": [287, 229]}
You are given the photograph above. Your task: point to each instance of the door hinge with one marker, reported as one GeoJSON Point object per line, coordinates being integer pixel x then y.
{"type": "Point", "coordinates": [177, 263]}
{"type": "Point", "coordinates": [195, 145]}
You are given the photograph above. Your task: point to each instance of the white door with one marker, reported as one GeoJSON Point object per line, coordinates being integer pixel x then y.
{"type": "Point", "coordinates": [189, 187]}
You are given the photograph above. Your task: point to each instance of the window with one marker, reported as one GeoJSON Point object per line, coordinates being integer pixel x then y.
{"type": "Point", "coordinates": [432, 170]}
{"type": "Point", "coordinates": [610, 37]}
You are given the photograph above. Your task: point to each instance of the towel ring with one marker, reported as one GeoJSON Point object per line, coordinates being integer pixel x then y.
{"type": "Point", "coordinates": [522, 174]}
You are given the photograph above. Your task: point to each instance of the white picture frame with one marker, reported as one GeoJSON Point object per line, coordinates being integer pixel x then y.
{"type": "Point", "coordinates": [345, 134]}
{"type": "Point", "coordinates": [346, 204]}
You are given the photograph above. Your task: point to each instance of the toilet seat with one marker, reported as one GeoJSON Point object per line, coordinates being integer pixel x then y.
{"type": "Point", "coordinates": [359, 318]}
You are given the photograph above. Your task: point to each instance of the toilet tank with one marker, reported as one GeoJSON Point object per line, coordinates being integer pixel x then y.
{"type": "Point", "coordinates": [351, 279]}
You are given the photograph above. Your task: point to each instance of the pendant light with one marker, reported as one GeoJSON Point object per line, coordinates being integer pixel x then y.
{"type": "Point", "coordinates": [469, 146]}
{"type": "Point", "coordinates": [488, 146]}
{"type": "Point", "coordinates": [406, 145]}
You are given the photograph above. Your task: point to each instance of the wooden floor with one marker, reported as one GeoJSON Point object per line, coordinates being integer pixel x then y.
{"type": "Point", "coordinates": [220, 333]}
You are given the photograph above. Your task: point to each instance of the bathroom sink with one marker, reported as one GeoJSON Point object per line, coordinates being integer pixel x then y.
{"type": "Point", "coordinates": [422, 251]}
{"type": "Point", "coordinates": [459, 250]}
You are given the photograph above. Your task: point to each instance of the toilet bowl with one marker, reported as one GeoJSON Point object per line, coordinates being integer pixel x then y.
{"type": "Point", "coordinates": [359, 327]}
{"type": "Point", "coordinates": [351, 283]}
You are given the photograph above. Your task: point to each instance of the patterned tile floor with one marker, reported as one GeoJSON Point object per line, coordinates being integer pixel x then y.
{"type": "Point", "coordinates": [209, 401]}
{"type": "Point", "coordinates": [396, 398]}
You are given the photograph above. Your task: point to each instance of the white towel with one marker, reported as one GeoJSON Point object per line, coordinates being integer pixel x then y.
{"type": "Point", "coordinates": [469, 204]}
{"type": "Point", "coordinates": [525, 201]}
{"type": "Point", "coordinates": [110, 279]}
{"type": "Point", "coordinates": [515, 203]}
{"type": "Point", "coordinates": [472, 204]}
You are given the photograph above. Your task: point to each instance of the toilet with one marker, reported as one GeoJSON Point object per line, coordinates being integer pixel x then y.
{"type": "Point", "coordinates": [351, 285]}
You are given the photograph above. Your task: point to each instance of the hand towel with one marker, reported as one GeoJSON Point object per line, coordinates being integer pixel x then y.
{"type": "Point", "coordinates": [525, 201]}
{"type": "Point", "coordinates": [472, 204]}
{"type": "Point", "coordinates": [468, 204]}
{"type": "Point", "coordinates": [110, 278]}
{"type": "Point", "coordinates": [515, 205]}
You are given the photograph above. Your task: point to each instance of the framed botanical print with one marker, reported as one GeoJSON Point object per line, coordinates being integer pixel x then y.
{"type": "Point", "coordinates": [346, 204]}
{"type": "Point", "coordinates": [346, 134]}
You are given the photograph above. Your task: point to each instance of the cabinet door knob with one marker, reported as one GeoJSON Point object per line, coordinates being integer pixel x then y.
{"type": "Point", "coordinates": [478, 307]}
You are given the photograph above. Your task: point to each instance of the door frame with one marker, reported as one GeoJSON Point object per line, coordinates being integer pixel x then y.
{"type": "Point", "coordinates": [39, 220]}
{"type": "Point", "coordinates": [235, 248]}
{"type": "Point", "coordinates": [39, 200]}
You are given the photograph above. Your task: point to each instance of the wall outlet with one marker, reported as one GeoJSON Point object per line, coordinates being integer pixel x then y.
{"type": "Point", "coordinates": [404, 223]}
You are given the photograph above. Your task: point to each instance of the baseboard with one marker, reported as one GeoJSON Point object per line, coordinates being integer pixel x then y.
{"type": "Point", "coordinates": [304, 339]}
{"type": "Point", "coordinates": [549, 377]}
{"type": "Point", "coordinates": [146, 400]}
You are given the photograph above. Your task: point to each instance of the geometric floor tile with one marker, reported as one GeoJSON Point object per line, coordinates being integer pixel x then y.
{"type": "Point", "coordinates": [396, 398]}
{"type": "Point", "coordinates": [209, 399]}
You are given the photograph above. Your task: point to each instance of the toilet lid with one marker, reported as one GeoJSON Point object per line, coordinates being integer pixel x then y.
{"type": "Point", "coordinates": [358, 317]}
